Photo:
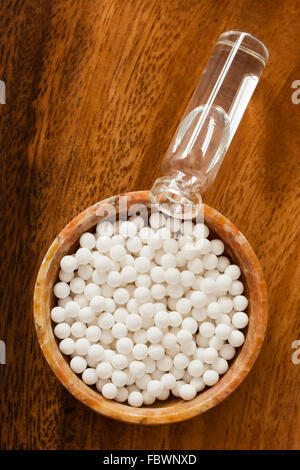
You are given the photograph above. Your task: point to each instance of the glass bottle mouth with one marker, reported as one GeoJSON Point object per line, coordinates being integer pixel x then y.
{"type": "Point", "coordinates": [175, 201]}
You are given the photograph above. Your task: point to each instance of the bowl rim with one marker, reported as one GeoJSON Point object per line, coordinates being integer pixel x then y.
{"type": "Point", "coordinates": [179, 410]}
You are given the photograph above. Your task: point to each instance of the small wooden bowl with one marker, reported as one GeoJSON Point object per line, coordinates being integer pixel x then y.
{"type": "Point", "coordinates": [173, 409]}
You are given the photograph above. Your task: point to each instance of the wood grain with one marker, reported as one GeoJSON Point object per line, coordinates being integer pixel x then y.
{"type": "Point", "coordinates": [94, 92]}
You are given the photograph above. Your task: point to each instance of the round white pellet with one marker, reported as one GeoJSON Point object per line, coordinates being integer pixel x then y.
{"type": "Point", "coordinates": [207, 285]}
{"type": "Point", "coordinates": [89, 376]}
{"type": "Point", "coordinates": [195, 368]}
{"type": "Point", "coordinates": [78, 329]}
{"type": "Point", "coordinates": [155, 387]}
{"type": "Point", "coordinates": [223, 331]}
{"type": "Point", "coordinates": [61, 290]}
{"type": "Point", "coordinates": [62, 330]}
{"type": "Point", "coordinates": [128, 274]}
{"type": "Point", "coordinates": [207, 329]}
{"type": "Point", "coordinates": [157, 220]}
{"type": "Point", "coordinates": [203, 246]}
{"type": "Point", "coordinates": [165, 364]}
{"type": "Point", "coordinates": [175, 291]}
{"type": "Point", "coordinates": [77, 285]}
{"type": "Point", "coordinates": [133, 322]}
{"type": "Point", "coordinates": [240, 303]}
{"type": "Point", "coordinates": [187, 391]}
{"type": "Point", "coordinates": [233, 271]}
{"type": "Point", "coordinates": [66, 277]}
{"type": "Point", "coordinates": [181, 361]}
{"type": "Point", "coordinates": [227, 352]}
{"type": "Point", "coordinates": [223, 263]}
{"type": "Point", "coordinates": [168, 381]}
{"type": "Point", "coordinates": [67, 346]}
{"type": "Point", "coordinates": [119, 330]}
{"type": "Point", "coordinates": [210, 355]}
{"type": "Point", "coordinates": [140, 337]}
{"type": "Point", "coordinates": [240, 320]}
{"type": "Point", "coordinates": [87, 240]}
{"type": "Point", "coordinates": [156, 351]}
{"type": "Point", "coordinates": [169, 340]}
{"type": "Point", "coordinates": [82, 346]}
{"type": "Point", "coordinates": [58, 314]}
{"type": "Point", "coordinates": [200, 231]}
{"type": "Point", "coordinates": [214, 310]}
{"type": "Point", "coordinates": [220, 365]}
{"type": "Point", "coordinates": [142, 264]}
{"type": "Point", "coordinates": [96, 352]}
{"type": "Point", "coordinates": [184, 336]}
{"type": "Point", "coordinates": [121, 296]}
{"type": "Point", "coordinates": [237, 288]}
{"type": "Point", "coordinates": [137, 368]}
{"type": "Point", "coordinates": [198, 383]}
{"type": "Point", "coordinates": [189, 324]}
{"type": "Point", "coordinates": [135, 399]}
{"type": "Point", "coordinates": [143, 381]}
{"type": "Point", "coordinates": [122, 395]}
{"type": "Point", "coordinates": [85, 272]}
{"type": "Point", "coordinates": [161, 319]}
{"type": "Point", "coordinates": [86, 315]}
{"type": "Point", "coordinates": [83, 256]}
{"type": "Point", "coordinates": [105, 228]}
{"type": "Point", "coordinates": [217, 247]}
{"type": "Point", "coordinates": [210, 377]}
{"type": "Point", "coordinates": [78, 364]}
{"type": "Point", "coordinates": [68, 264]}
{"type": "Point", "coordinates": [183, 306]}
{"type": "Point", "coordinates": [236, 338]}
{"type": "Point", "coordinates": [158, 291]}
{"type": "Point", "coordinates": [172, 276]}
{"type": "Point", "coordinates": [140, 351]}
{"type": "Point", "coordinates": [147, 310]}
{"type": "Point", "coordinates": [154, 334]}
{"type": "Point", "coordinates": [117, 252]}
{"type": "Point", "coordinates": [142, 295]}
{"type": "Point", "coordinates": [109, 391]}
{"type": "Point", "coordinates": [127, 229]}
{"type": "Point", "coordinates": [104, 370]}
{"type": "Point", "coordinates": [199, 314]}
{"type": "Point", "coordinates": [215, 343]}
{"type": "Point", "coordinates": [175, 319]}
{"type": "Point", "coordinates": [119, 361]}
{"type": "Point", "coordinates": [93, 333]}
{"type": "Point", "coordinates": [187, 278]}
{"type": "Point", "coordinates": [124, 345]}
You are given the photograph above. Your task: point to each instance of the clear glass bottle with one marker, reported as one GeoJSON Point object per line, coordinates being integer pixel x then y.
{"type": "Point", "coordinates": [209, 123]}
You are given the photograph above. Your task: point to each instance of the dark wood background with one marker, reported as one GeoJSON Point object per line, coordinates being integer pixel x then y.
{"type": "Point", "coordinates": [95, 90]}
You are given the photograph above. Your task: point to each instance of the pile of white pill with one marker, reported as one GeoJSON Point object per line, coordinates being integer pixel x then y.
{"type": "Point", "coordinates": [148, 310]}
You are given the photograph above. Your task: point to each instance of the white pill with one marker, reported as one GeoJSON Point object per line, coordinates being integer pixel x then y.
{"type": "Point", "coordinates": [137, 368]}
{"type": "Point", "coordinates": [170, 246]}
{"type": "Point", "coordinates": [195, 368]}
{"type": "Point", "coordinates": [97, 304]}
{"type": "Point", "coordinates": [233, 271]}
{"type": "Point", "coordinates": [109, 391]}
{"type": "Point", "coordinates": [156, 351]}
{"type": "Point", "coordinates": [215, 343]}
{"type": "Point", "coordinates": [67, 346]}
{"type": "Point", "coordinates": [87, 240]}
{"type": "Point", "coordinates": [187, 392]}
{"type": "Point", "coordinates": [135, 399]}
{"type": "Point", "coordinates": [223, 331]}
{"type": "Point", "coordinates": [140, 351]}
{"type": "Point", "coordinates": [236, 338]}
{"type": "Point", "coordinates": [82, 346]}
{"type": "Point", "coordinates": [142, 264]}
{"type": "Point", "coordinates": [105, 228]}
{"type": "Point", "coordinates": [121, 296]}
{"type": "Point", "coordinates": [85, 272]}
{"type": "Point", "coordinates": [119, 378]}
{"type": "Point", "coordinates": [117, 252]}
{"type": "Point", "coordinates": [203, 246]}
{"type": "Point", "coordinates": [142, 295]}
{"type": "Point", "coordinates": [181, 361]}
{"type": "Point", "coordinates": [155, 387]}
{"type": "Point", "coordinates": [184, 336]}
{"type": "Point", "coordinates": [122, 395]}
{"type": "Point", "coordinates": [207, 285]}
{"type": "Point", "coordinates": [58, 314]}
{"type": "Point", "coordinates": [217, 247]}
{"type": "Point", "coordinates": [165, 364]}
{"type": "Point", "coordinates": [66, 277]}
{"type": "Point", "coordinates": [168, 381]}
{"type": "Point", "coordinates": [168, 261]}
{"type": "Point", "coordinates": [183, 306]}
{"type": "Point", "coordinates": [128, 274]}
{"type": "Point", "coordinates": [207, 329]}
{"type": "Point", "coordinates": [220, 365]}
{"type": "Point", "coordinates": [161, 319]}
{"type": "Point", "coordinates": [102, 263]}
{"type": "Point", "coordinates": [133, 322]}
{"type": "Point", "coordinates": [150, 365]}
{"type": "Point", "coordinates": [187, 278]}
{"type": "Point", "coordinates": [68, 264]}
{"type": "Point", "coordinates": [198, 383]}
{"type": "Point", "coordinates": [240, 320]}
{"type": "Point", "coordinates": [175, 319]}
{"type": "Point", "coordinates": [78, 329]}
{"type": "Point", "coordinates": [210, 377]}
{"type": "Point", "coordinates": [104, 370]}
{"type": "Point", "coordinates": [227, 352]}
{"type": "Point", "coordinates": [62, 330]}
{"type": "Point", "coordinates": [77, 285]}
{"type": "Point", "coordinates": [119, 330]}
{"type": "Point", "coordinates": [240, 303]}
{"type": "Point", "coordinates": [106, 337]}
{"type": "Point", "coordinates": [200, 231]}
{"type": "Point", "coordinates": [78, 364]}
{"type": "Point", "coordinates": [154, 334]}
{"type": "Point", "coordinates": [214, 310]}
{"type": "Point", "coordinates": [169, 340]}
{"type": "Point", "coordinates": [124, 345]}
{"type": "Point", "coordinates": [127, 229]}
{"type": "Point", "coordinates": [93, 333]}
{"type": "Point", "coordinates": [158, 291]}
{"type": "Point", "coordinates": [157, 220]}
{"type": "Point", "coordinates": [175, 291]}
{"type": "Point", "coordinates": [89, 376]}
{"type": "Point", "coordinates": [119, 361]}
{"type": "Point", "coordinates": [189, 324]}
{"type": "Point", "coordinates": [96, 352]}
{"type": "Point", "coordinates": [61, 290]}
{"type": "Point", "coordinates": [210, 261]}
{"type": "Point", "coordinates": [210, 355]}
{"type": "Point", "coordinates": [83, 256]}
{"type": "Point", "coordinates": [237, 288]}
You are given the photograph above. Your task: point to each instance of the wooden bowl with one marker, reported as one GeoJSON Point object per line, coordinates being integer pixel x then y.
{"type": "Point", "coordinates": [173, 409]}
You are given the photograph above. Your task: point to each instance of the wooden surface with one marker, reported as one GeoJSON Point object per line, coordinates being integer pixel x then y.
{"type": "Point", "coordinates": [94, 92]}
